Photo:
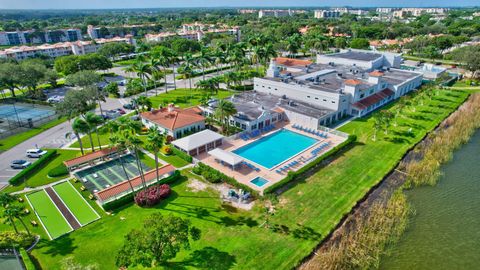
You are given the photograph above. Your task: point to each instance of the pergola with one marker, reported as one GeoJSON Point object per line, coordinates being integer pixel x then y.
{"type": "Point", "coordinates": [199, 142]}
{"type": "Point", "coordinates": [226, 157]}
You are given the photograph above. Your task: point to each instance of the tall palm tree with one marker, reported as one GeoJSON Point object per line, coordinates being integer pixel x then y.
{"type": "Point", "coordinates": [218, 57]}
{"type": "Point", "coordinates": [293, 44]}
{"type": "Point", "coordinates": [119, 143]}
{"type": "Point", "coordinates": [155, 142]}
{"type": "Point", "coordinates": [224, 110]}
{"type": "Point", "coordinates": [204, 60]}
{"type": "Point", "coordinates": [143, 103]}
{"type": "Point", "coordinates": [172, 58]}
{"type": "Point", "coordinates": [94, 121]}
{"type": "Point", "coordinates": [129, 130]}
{"type": "Point", "coordinates": [15, 212]}
{"type": "Point", "coordinates": [79, 126]}
{"type": "Point", "coordinates": [6, 199]}
{"type": "Point", "coordinates": [154, 70]}
{"type": "Point", "coordinates": [187, 67]}
{"type": "Point", "coordinates": [142, 70]}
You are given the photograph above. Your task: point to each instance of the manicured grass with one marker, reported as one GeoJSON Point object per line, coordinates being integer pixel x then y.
{"type": "Point", "coordinates": [429, 60]}
{"type": "Point", "coordinates": [305, 214]}
{"type": "Point", "coordinates": [175, 160]}
{"type": "Point", "coordinates": [50, 216]}
{"type": "Point", "coordinates": [40, 177]}
{"type": "Point", "coordinates": [13, 140]}
{"type": "Point", "coordinates": [75, 203]}
{"type": "Point", "coordinates": [184, 97]}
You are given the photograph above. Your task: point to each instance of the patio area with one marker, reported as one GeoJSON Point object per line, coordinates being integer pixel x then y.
{"type": "Point", "coordinates": [248, 172]}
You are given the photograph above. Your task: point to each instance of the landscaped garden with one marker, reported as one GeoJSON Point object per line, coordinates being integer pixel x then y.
{"type": "Point", "coordinates": [304, 214]}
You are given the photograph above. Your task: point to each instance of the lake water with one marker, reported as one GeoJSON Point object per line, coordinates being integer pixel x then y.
{"type": "Point", "coordinates": [445, 232]}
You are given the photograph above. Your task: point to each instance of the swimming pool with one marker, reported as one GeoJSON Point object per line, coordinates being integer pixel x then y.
{"type": "Point", "coordinates": [275, 148]}
{"type": "Point", "coordinates": [259, 181]}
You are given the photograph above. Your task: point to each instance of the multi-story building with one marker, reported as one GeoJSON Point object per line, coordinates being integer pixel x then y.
{"type": "Point", "coordinates": [326, 14]}
{"type": "Point", "coordinates": [36, 37]}
{"type": "Point", "coordinates": [384, 10]}
{"type": "Point", "coordinates": [95, 32]}
{"type": "Point", "coordinates": [278, 12]}
{"type": "Point", "coordinates": [60, 49]}
{"type": "Point", "coordinates": [197, 34]}
{"type": "Point", "coordinates": [349, 83]}
{"type": "Point", "coordinates": [415, 12]}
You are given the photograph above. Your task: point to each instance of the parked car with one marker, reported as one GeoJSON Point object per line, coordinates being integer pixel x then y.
{"type": "Point", "coordinates": [112, 114]}
{"type": "Point", "coordinates": [121, 111]}
{"type": "Point", "coordinates": [128, 106]}
{"type": "Point", "coordinates": [35, 153]}
{"type": "Point", "coordinates": [55, 99]}
{"type": "Point", "coordinates": [20, 164]}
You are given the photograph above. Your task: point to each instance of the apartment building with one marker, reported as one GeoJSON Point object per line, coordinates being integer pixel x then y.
{"type": "Point", "coordinates": [326, 14]}
{"type": "Point", "coordinates": [60, 49]}
{"type": "Point", "coordinates": [96, 32]}
{"type": "Point", "coordinates": [350, 83]}
{"type": "Point", "coordinates": [278, 12]}
{"type": "Point", "coordinates": [195, 32]}
{"type": "Point", "coordinates": [37, 37]}
{"type": "Point", "coordinates": [415, 12]}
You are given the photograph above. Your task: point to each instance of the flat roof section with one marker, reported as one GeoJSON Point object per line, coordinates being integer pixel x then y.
{"type": "Point", "coordinates": [356, 55]}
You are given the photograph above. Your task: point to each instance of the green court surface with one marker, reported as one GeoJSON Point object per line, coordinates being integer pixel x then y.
{"type": "Point", "coordinates": [76, 203]}
{"type": "Point", "coordinates": [50, 217]}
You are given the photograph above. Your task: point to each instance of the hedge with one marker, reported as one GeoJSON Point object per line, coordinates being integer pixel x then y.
{"type": "Point", "coordinates": [294, 175]}
{"type": "Point", "coordinates": [181, 154]}
{"type": "Point", "coordinates": [60, 170]}
{"type": "Point", "coordinates": [22, 176]}
{"type": "Point", "coordinates": [26, 260]}
{"type": "Point", "coordinates": [200, 73]}
{"type": "Point", "coordinates": [129, 198]}
{"type": "Point", "coordinates": [214, 176]}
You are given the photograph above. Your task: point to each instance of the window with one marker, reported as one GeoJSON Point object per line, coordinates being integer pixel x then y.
{"type": "Point", "coordinates": [333, 101]}
{"type": "Point", "coordinates": [362, 95]}
{"type": "Point", "coordinates": [244, 126]}
{"type": "Point", "coordinates": [371, 91]}
{"type": "Point", "coordinates": [308, 96]}
{"type": "Point", "coordinates": [316, 98]}
{"type": "Point", "coordinates": [325, 100]}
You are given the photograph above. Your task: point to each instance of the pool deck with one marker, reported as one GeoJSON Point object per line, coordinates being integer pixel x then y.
{"type": "Point", "coordinates": [245, 174]}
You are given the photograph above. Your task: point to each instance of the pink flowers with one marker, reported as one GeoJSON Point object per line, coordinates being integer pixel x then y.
{"type": "Point", "coordinates": [152, 195]}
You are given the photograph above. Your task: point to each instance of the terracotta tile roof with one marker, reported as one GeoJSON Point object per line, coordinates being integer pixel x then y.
{"type": "Point", "coordinates": [124, 186]}
{"type": "Point", "coordinates": [376, 73]}
{"type": "Point", "coordinates": [88, 157]}
{"type": "Point", "coordinates": [174, 119]}
{"type": "Point", "coordinates": [278, 110]}
{"type": "Point", "coordinates": [353, 82]}
{"type": "Point", "coordinates": [291, 62]}
{"type": "Point", "coordinates": [373, 99]}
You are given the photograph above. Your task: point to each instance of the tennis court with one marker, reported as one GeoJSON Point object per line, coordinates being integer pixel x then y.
{"type": "Point", "coordinates": [80, 208]}
{"type": "Point", "coordinates": [49, 215]}
{"type": "Point", "coordinates": [109, 173]}
{"type": "Point", "coordinates": [23, 112]}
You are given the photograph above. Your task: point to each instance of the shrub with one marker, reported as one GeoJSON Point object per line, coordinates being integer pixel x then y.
{"type": "Point", "coordinates": [29, 265]}
{"type": "Point", "coordinates": [214, 176]}
{"type": "Point", "coordinates": [58, 171]}
{"type": "Point", "coordinates": [21, 176]}
{"type": "Point", "coordinates": [152, 195]}
{"type": "Point", "coordinates": [182, 155]}
{"type": "Point", "coordinates": [167, 150]}
{"type": "Point", "coordinates": [11, 238]}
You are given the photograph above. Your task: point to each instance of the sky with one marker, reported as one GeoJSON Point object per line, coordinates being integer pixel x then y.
{"type": "Point", "coordinates": [108, 4]}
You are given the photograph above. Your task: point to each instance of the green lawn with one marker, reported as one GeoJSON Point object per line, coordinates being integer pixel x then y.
{"type": "Point", "coordinates": [50, 216]}
{"type": "Point", "coordinates": [75, 203]}
{"type": "Point", "coordinates": [184, 97]}
{"type": "Point", "coordinates": [12, 141]}
{"type": "Point", "coordinates": [305, 214]}
{"type": "Point", "coordinates": [40, 177]}
{"type": "Point", "coordinates": [428, 60]}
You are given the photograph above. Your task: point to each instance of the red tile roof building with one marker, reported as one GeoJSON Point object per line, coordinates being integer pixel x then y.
{"type": "Point", "coordinates": [174, 121]}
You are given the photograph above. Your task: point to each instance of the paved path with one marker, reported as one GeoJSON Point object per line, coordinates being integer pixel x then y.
{"type": "Point", "coordinates": [63, 208]}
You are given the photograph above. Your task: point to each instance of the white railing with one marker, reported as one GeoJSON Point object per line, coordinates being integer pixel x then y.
{"type": "Point", "coordinates": [333, 131]}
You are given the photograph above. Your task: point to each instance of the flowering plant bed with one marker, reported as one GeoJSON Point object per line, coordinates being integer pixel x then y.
{"type": "Point", "coordinates": [152, 195]}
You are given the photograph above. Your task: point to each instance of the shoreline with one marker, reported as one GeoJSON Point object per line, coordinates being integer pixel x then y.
{"type": "Point", "coordinates": [393, 181]}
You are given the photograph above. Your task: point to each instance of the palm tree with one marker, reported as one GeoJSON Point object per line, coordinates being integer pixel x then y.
{"type": "Point", "coordinates": [187, 68]}
{"type": "Point", "coordinates": [129, 129]}
{"type": "Point", "coordinates": [142, 70]}
{"type": "Point", "coordinates": [6, 199]}
{"type": "Point", "coordinates": [377, 124]}
{"type": "Point", "coordinates": [154, 71]}
{"type": "Point", "coordinates": [94, 121]}
{"type": "Point", "coordinates": [143, 103]}
{"type": "Point", "coordinates": [79, 126]}
{"type": "Point", "coordinates": [292, 44]}
{"type": "Point", "coordinates": [224, 110]}
{"type": "Point", "coordinates": [15, 212]}
{"type": "Point", "coordinates": [204, 60]}
{"type": "Point", "coordinates": [118, 142]}
{"type": "Point", "coordinates": [155, 142]}
{"type": "Point", "coordinates": [218, 57]}
{"type": "Point", "coordinates": [208, 85]}
{"type": "Point", "coordinates": [173, 59]}
{"type": "Point", "coordinates": [268, 52]}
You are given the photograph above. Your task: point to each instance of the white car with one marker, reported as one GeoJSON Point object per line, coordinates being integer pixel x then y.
{"type": "Point", "coordinates": [55, 99]}
{"type": "Point", "coordinates": [19, 164]}
{"type": "Point", "coordinates": [35, 153]}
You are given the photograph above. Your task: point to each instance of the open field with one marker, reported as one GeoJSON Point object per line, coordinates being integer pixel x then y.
{"type": "Point", "coordinates": [184, 97]}
{"type": "Point", "coordinates": [305, 214]}
{"type": "Point", "coordinates": [40, 177]}
{"type": "Point", "coordinates": [54, 222]}
{"type": "Point", "coordinates": [75, 203]}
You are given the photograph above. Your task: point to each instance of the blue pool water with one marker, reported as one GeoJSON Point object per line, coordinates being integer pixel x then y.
{"type": "Point", "coordinates": [259, 181]}
{"type": "Point", "coordinates": [275, 148]}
